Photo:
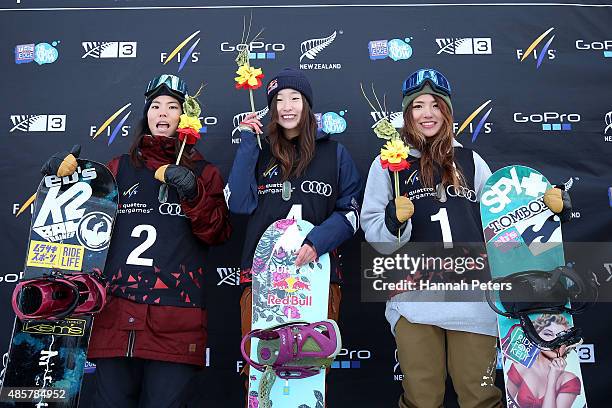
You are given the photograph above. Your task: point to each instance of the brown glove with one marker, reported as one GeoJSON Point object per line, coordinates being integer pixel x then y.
{"type": "Point", "coordinates": [553, 198]}
{"type": "Point", "coordinates": [403, 208]}
{"type": "Point", "coordinates": [62, 163]}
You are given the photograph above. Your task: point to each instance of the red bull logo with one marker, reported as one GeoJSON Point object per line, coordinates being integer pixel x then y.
{"type": "Point", "coordinates": [289, 300]}
{"type": "Point", "coordinates": [283, 281]}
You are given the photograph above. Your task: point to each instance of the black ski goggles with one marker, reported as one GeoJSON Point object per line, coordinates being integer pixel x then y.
{"type": "Point", "coordinates": [173, 84]}
{"type": "Point", "coordinates": [417, 81]}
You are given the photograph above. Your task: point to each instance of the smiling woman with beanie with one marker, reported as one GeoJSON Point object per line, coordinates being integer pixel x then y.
{"type": "Point", "coordinates": [266, 184]}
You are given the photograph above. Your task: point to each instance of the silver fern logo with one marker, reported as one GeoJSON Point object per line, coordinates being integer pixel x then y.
{"type": "Point", "coordinates": [240, 117]}
{"type": "Point", "coordinates": [396, 118]}
{"type": "Point", "coordinates": [310, 49]}
{"type": "Point", "coordinates": [109, 49]}
{"type": "Point", "coordinates": [228, 276]}
{"type": "Point", "coordinates": [38, 123]}
{"type": "Point", "coordinates": [464, 46]}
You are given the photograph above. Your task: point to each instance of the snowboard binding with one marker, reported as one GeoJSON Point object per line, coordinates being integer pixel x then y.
{"type": "Point", "coordinates": [292, 351]}
{"type": "Point", "coordinates": [56, 296]}
{"type": "Point", "coordinates": [548, 292]}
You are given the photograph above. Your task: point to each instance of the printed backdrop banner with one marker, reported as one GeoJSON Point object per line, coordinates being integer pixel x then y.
{"type": "Point", "coordinates": [531, 85]}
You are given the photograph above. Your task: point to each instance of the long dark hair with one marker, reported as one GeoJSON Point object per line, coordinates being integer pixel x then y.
{"type": "Point", "coordinates": [437, 152]}
{"type": "Point", "coordinates": [141, 130]}
{"type": "Point", "coordinates": [293, 158]}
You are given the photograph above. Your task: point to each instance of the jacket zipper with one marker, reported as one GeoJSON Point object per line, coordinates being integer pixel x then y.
{"type": "Point", "coordinates": [131, 341]}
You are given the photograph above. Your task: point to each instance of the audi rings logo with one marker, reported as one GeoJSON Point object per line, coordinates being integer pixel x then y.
{"type": "Point", "coordinates": [316, 187]}
{"type": "Point", "coordinates": [464, 192]}
{"type": "Point", "coordinates": [171, 209]}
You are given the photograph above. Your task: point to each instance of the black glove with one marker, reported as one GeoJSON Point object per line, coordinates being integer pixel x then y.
{"type": "Point", "coordinates": [62, 163]}
{"type": "Point", "coordinates": [180, 178]}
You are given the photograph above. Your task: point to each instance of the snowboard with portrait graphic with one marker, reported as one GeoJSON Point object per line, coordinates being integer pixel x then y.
{"type": "Point", "coordinates": [522, 234]}
{"type": "Point", "coordinates": [283, 293]}
{"type": "Point", "coordinates": [70, 233]}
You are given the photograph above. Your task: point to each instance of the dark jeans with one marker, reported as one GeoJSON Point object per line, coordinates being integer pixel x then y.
{"type": "Point", "coordinates": [124, 382]}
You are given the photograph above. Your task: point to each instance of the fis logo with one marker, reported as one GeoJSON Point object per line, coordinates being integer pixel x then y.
{"type": "Point", "coordinates": [240, 117]}
{"type": "Point", "coordinates": [395, 49]}
{"type": "Point", "coordinates": [257, 49]}
{"type": "Point", "coordinates": [608, 128]}
{"type": "Point", "coordinates": [132, 191]}
{"type": "Point", "coordinates": [331, 122]}
{"type": "Point", "coordinates": [482, 124]}
{"type": "Point", "coordinates": [110, 131]}
{"type": "Point", "coordinates": [604, 46]}
{"type": "Point", "coordinates": [550, 121]}
{"type": "Point", "coordinates": [228, 276]}
{"type": "Point", "coordinates": [544, 52]}
{"type": "Point", "coordinates": [182, 59]}
{"type": "Point", "coordinates": [42, 53]}
{"type": "Point", "coordinates": [464, 46]}
{"type": "Point", "coordinates": [109, 49]}
{"type": "Point", "coordinates": [18, 209]}
{"type": "Point", "coordinates": [38, 123]}
{"type": "Point", "coordinates": [310, 49]}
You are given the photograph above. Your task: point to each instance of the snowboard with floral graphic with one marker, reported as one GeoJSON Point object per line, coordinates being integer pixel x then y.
{"type": "Point", "coordinates": [284, 293]}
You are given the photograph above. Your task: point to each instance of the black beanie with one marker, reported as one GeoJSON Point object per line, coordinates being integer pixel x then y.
{"type": "Point", "coordinates": [163, 90]}
{"type": "Point", "coordinates": [290, 78]}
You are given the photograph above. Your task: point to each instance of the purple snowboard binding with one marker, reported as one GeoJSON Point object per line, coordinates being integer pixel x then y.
{"type": "Point", "coordinates": [292, 351]}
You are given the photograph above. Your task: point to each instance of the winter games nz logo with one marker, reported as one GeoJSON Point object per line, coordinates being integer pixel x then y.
{"type": "Point", "coordinates": [42, 53]}
{"type": "Point", "coordinates": [310, 50]}
{"type": "Point", "coordinates": [182, 58]}
{"type": "Point", "coordinates": [482, 123]}
{"type": "Point", "coordinates": [331, 122]}
{"type": "Point", "coordinates": [109, 49]}
{"type": "Point", "coordinates": [544, 52]}
{"type": "Point", "coordinates": [394, 49]}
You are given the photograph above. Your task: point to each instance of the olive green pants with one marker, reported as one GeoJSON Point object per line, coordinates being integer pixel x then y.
{"type": "Point", "coordinates": [427, 353]}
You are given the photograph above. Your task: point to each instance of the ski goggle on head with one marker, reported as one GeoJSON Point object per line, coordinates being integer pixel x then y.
{"type": "Point", "coordinates": [175, 85]}
{"type": "Point", "coordinates": [416, 81]}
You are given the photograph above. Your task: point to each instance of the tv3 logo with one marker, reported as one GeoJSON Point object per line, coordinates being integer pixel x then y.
{"type": "Point", "coordinates": [497, 196]}
{"type": "Point", "coordinates": [71, 200]}
{"type": "Point", "coordinates": [38, 123]}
